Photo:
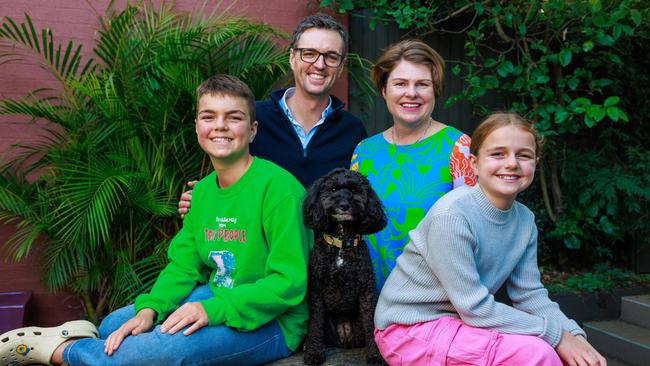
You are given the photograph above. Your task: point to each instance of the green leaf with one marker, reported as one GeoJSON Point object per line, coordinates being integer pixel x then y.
{"type": "Point", "coordinates": [614, 58]}
{"type": "Point", "coordinates": [613, 100]}
{"type": "Point", "coordinates": [565, 57]}
{"type": "Point", "coordinates": [478, 7]}
{"type": "Point", "coordinates": [345, 5]}
{"type": "Point", "coordinates": [571, 242]}
{"type": "Point", "coordinates": [613, 113]}
{"type": "Point", "coordinates": [561, 115]}
{"type": "Point", "coordinates": [455, 70]}
{"type": "Point", "coordinates": [490, 62]}
{"type": "Point", "coordinates": [596, 112]}
{"type": "Point", "coordinates": [587, 46]}
{"type": "Point", "coordinates": [573, 83]}
{"type": "Point", "coordinates": [636, 17]}
{"type": "Point", "coordinates": [490, 82]}
{"type": "Point", "coordinates": [601, 83]}
{"type": "Point", "coordinates": [505, 68]}
{"type": "Point", "coordinates": [542, 79]}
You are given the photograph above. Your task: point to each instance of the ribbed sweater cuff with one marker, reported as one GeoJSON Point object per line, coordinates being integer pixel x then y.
{"type": "Point", "coordinates": [553, 333]}
{"type": "Point", "coordinates": [572, 327]}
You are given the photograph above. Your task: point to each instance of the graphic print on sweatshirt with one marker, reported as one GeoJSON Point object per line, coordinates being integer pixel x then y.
{"type": "Point", "coordinates": [223, 234]}
{"type": "Point", "coordinates": [225, 263]}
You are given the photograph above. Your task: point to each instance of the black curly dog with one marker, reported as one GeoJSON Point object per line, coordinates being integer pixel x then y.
{"type": "Point", "coordinates": [340, 207]}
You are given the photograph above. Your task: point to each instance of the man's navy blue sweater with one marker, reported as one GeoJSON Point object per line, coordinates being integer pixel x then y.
{"type": "Point", "coordinates": [331, 147]}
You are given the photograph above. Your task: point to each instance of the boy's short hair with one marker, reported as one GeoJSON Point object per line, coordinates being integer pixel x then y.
{"type": "Point", "coordinates": [320, 21]}
{"type": "Point", "coordinates": [223, 84]}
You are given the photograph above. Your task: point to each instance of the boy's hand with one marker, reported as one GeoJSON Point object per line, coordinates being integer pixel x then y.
{"type": "Point", "coordinates": [141, 322]}
{"type": "Point", "coordinates": [186, 197]}
{"type": "Point", "coordinates": [189, 313]}
{"type": "Point", "coordinates": [576, 351]}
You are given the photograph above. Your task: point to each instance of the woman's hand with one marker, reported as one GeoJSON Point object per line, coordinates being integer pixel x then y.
{"type": "Point", "coordinates": [576, 351]}
{"type": "Point", "coordinates": [141, 322]}
{"type": "Point", "coordinates": [186, 197]}
{"type": "Point", "coordinates": [189, 313]}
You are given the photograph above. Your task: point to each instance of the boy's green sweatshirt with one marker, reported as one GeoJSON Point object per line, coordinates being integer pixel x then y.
{"type": "Point", "coordinates": [250, 239]}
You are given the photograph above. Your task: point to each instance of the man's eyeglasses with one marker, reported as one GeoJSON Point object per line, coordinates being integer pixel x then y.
{"type": "Point", "coordinates": [310, 55]}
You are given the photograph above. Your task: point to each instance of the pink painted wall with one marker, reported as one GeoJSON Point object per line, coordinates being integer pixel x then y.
{"type": "Point", "coordinates": [77, 20]}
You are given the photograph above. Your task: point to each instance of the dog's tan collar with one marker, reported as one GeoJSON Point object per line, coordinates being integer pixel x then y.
{"type": "Point", "coordinates": [332, 240]}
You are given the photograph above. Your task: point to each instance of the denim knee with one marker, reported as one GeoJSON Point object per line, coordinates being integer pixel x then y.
{"type": "Point", "coordinates": [114, 320]}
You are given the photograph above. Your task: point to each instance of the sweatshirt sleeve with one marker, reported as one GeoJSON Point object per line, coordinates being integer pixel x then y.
{"type": "Point", "coordinates": [450, 254]}
{"type": "Point", "coordinates": [528, 294]}
{"type": "Point", "coordinates": [178, 278]}
{"type": "Point", "coordinates": [284, 284]}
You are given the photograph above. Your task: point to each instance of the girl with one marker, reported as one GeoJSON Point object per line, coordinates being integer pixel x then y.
{"type": "Point", "coordinates": [438, 307]}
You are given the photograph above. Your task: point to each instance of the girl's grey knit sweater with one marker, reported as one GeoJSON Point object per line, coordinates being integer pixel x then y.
{"type": "Point", "coordinates": [458, 257]}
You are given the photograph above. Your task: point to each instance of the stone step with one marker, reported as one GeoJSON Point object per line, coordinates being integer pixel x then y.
{"type": "Point", "coordinates": [636, 310]}
{"type": "Point", "coordinates": [349, 357]}
{"type": "Point", "coordinates": [623, 341]}
{"type": "Point", "coordinates": [333, 357]}
{"type": "Point", "coordinates": [614, 362]}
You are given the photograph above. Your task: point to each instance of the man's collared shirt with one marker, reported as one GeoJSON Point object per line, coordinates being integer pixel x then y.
{"type": "Point", "coordinates": [300, 131]}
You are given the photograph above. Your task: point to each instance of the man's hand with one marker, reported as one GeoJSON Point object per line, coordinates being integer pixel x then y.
{"type": "Point", "coordinates": [576, 351]}
{"type": "Point", "coordinates": [186, 197]}
{"type": "Point", "coordinates": [189, 313]}
{"type": "Point", "coordinates": [141, 322]}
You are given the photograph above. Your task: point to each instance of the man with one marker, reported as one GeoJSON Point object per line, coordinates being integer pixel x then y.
{"type": "Point", "coordinates": [304, 129]}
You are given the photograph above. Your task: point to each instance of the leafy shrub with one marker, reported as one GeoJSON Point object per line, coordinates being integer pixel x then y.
{"type": "Point", "coordinates": [120, 141]}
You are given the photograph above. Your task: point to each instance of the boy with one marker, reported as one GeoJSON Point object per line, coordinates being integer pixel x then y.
{"type": "Point", "coordinates": [234, 289]}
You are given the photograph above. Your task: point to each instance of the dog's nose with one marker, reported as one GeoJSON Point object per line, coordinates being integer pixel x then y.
{"type": "Point", "coordinates": [344, 206]}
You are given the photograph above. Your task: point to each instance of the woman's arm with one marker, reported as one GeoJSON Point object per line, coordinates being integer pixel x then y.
{"type": "Point", "coordinates": [459, 166]}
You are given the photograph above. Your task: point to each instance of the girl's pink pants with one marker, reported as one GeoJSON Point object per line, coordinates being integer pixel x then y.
{"type": "Point", "coordinates": [450, 342]}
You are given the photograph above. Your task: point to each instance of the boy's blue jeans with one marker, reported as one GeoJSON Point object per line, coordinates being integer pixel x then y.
{"type": "Point", "coordinates": [218, 345]}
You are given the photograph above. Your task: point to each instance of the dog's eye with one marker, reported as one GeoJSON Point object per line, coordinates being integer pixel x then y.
{"type": "Point", "coordinates": [333, 189]}
{"type": "Point", "coordinates": [353, 190]}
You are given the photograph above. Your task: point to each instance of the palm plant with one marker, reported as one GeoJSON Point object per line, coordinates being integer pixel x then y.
{"type": "Point", "coordinates": [120, 142]}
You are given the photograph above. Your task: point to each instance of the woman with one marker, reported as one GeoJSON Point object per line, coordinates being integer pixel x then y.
{"type": "Point", "coordinates": [417, 159]}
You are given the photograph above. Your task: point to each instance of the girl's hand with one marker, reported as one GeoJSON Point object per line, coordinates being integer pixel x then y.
{"type": "Point", "coordinates": [186, 197]}
{"type": "Point", "coordinates": [576, 351]}
{"type": "Point", "coordinates": [189, 313]}
{"type": "Point", "coordinates": [141, 322]}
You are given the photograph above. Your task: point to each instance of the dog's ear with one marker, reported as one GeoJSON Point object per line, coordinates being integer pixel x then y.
{"type": "Point", "coordinates": [375, 219]}
{"type": "Point", "coordinates": [312, 210]}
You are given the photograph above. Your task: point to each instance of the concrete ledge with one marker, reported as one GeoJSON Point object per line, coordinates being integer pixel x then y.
{"type": "Point", "coordinates": [333, 357]}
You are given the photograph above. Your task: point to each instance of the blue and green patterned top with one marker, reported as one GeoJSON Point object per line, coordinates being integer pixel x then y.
{"type": "Point", "coordinates": [409, 179]}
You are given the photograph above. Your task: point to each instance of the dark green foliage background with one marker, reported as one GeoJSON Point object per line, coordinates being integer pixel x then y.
{"type": "Point", "coordinates": [577, 69]}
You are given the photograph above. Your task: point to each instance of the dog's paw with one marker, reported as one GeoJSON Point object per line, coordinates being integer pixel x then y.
{"type": "Point", "coordinates": [314, 358]}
